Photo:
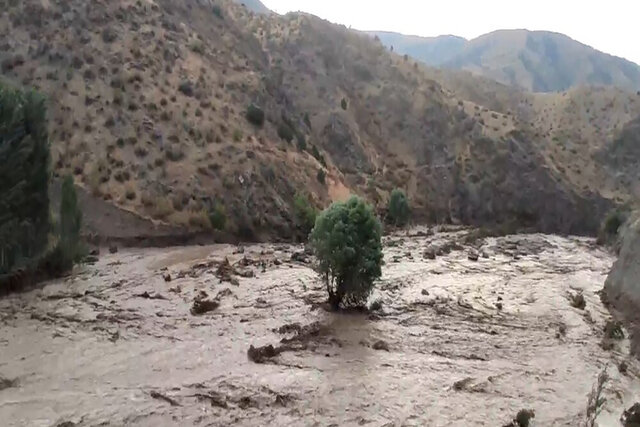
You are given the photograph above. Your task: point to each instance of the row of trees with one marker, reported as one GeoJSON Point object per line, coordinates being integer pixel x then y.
{"type": "Point", "coordinates": [347, 241]}
{"type": "Point", "coordinates": [31, 238]}
{"type": "Point", "coordinates": [398, 211]}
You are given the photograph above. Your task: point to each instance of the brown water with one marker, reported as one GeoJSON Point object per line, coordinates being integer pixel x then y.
{"type": "Point", "coordinates": [87, 350]}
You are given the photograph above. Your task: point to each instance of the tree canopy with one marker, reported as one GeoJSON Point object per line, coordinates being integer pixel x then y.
{"type": "Point", "coordinates": [347, 242]}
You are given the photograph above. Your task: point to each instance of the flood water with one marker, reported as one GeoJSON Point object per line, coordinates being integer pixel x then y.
{"type": "Point", "coordinates": [457, 342]}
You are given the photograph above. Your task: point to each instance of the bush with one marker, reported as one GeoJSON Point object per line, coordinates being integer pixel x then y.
{"type": "Point", "coordinates": [218, 217]}
{"type": "Point", "coordinates": [613, 222]}
{"type": "Point", "coordinates": [611, 225]}
{"type": "Point", "coordinates": [255, 115]}
{"type": "Point", "coordinates": [285, 132]}
{"type": "Point", "coordinates": [319, 157]}
{"type": "Point", "coordinates": [200, 219]}
{"type": "Point", "coordinates": [24, 178]}
{"type": "Point", "coordinates": [217, 10]}
{"type": "Point", "coordinates": [186, 87]}
{"type": "Point", "coordinates": [321, 176]}
{"type": "Point", "coordinates": [197, 47]}
{"type": "Point", "coordinates": [237, 135]}
{"type": "Point", "coordinates": [305, 213]}
{"type": "Point", "coordinates": [302, 142]}
{"type": "Point", "coordinates": [399, 211]}
{"type": "Point", "coordinates": [346, 240]}
{"type": "Point", "coordinates": [343, 104]}
{"type": "Point", "coordinates": [163, 207]}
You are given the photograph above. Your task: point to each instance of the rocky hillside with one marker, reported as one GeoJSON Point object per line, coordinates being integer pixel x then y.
{"type": "Point", "coordinates": [149, 101]}
{"type": "Point", "coordinates": [538, 61]}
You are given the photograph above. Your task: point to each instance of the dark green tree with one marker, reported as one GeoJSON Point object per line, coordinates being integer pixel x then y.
{"type": "Point", "coordinates": [399, 211]}
{"type": "Point", "coordinates": [347, 242]}
{"type": "Point", "coordinates": [285, 132]}
{"type": "Point", "coordinates": [24, 177]}
{"type": "Point", "coordinates": [305, 213]}
{"type": "Point", "coordinates": [218, 217]}
{"type": "Point", "coordinates": [255, 115]}
{"type": "Point", "coordinates": [70, 221]}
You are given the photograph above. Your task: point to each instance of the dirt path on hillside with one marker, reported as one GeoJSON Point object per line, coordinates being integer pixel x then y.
{"type": "Point", "coordinates": [160, 337]}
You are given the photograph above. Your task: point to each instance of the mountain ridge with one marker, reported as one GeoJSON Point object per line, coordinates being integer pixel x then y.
{"type": "Point", "coordinates": [540, 61]}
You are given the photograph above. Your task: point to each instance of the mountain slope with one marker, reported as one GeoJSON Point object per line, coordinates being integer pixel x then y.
{"type": "Point", "coordinates": [255, 6]}
{"type": "Point", "coordinates": [538, 61]}
{"type": "Point", "coordinates": [148, 105]}
{"type": "Point", "coordinates": [430, 50]}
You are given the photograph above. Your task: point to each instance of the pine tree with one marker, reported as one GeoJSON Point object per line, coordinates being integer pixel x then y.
{"type": "Point", "coordinates": [70, 221]}
{"type": "Point", "coordinates": [24, 177]}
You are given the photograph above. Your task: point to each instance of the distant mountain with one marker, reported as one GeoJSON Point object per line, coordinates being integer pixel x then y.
{"type": "Point", "coordinates": [255, 6]}
{"type": "Point", "coordinates": [431, 50]}
{"type": "Point", "coordinates": [539, 61]}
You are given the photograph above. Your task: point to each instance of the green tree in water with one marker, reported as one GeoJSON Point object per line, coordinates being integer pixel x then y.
{"type": "Point", "coordinates": [305, 213]}
{"type": "Point", "coordinates": [24, 178]}
{"type": "Point", "coordinates": [347, 242]}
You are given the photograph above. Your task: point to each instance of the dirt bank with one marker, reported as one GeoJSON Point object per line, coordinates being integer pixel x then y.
{"type": "Point", "coordinates": [161, 337]}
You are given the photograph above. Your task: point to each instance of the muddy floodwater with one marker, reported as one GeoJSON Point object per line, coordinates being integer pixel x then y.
{"type": "Point", "coordinates": [159, 337]}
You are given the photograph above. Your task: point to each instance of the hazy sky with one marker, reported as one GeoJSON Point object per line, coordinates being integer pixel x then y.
{"type": "Point", "coordinates": [611, 26]}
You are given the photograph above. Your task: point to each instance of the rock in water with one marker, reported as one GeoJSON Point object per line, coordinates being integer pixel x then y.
{"type": "Point", "coordinates": [631, 417]}
{"type": "Point", "coordinates": [261, 354]}
{"type": "Point", "coordinates": [429, 253]}
{"type": "Point", "coordinates": [380, 345]}
{"type": "Point", "coordinates": [202, 306]}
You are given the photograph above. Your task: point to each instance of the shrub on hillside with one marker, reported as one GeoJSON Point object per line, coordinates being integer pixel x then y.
{"type": "Point", "coordinates": [285, 132]}
{"type": "Point", "coordinates": [186, 87]}
{"type": "Point", "coordinates": [611, 225]}
{"type": "Point", "coordinates": [218, 217]}
{"type": "Point", "coordinates": [321, 176]}
{"type": "Point", "coordinates": [255, 115]}
{"type": "Point", "coordinates": [301, 142]}
{"type": "Point", "coordinates": [319, 157]}
{"type": "Point", "coordinates": [343, 104]}
{"type": "Point", "coordinates": [346, 240]}
{"type": "Point", "coordinates": [217, 10]}
{"type": "Point", "coordinates": [398, 210]}
{"type": "Point", "coordinates": [305, 213]}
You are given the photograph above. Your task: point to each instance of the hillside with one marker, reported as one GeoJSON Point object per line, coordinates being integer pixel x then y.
{"type": "Point", "coordinates": [538, 61]}
{"type": "Point", "coordinates": [433, 51]}
{"type": "Point", "coordinates": [255, 6]}
{"type": "Point", "coordinates": [148, 105]}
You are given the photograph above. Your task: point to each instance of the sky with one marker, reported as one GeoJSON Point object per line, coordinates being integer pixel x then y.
{"type": "Point", "coordinates": [611, 26]}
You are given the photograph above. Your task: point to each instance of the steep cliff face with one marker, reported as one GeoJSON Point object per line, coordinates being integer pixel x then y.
{"type": "Point", "coordinates": [622, 287]}
{"type": "Point", "coordinates": [623, 283]}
